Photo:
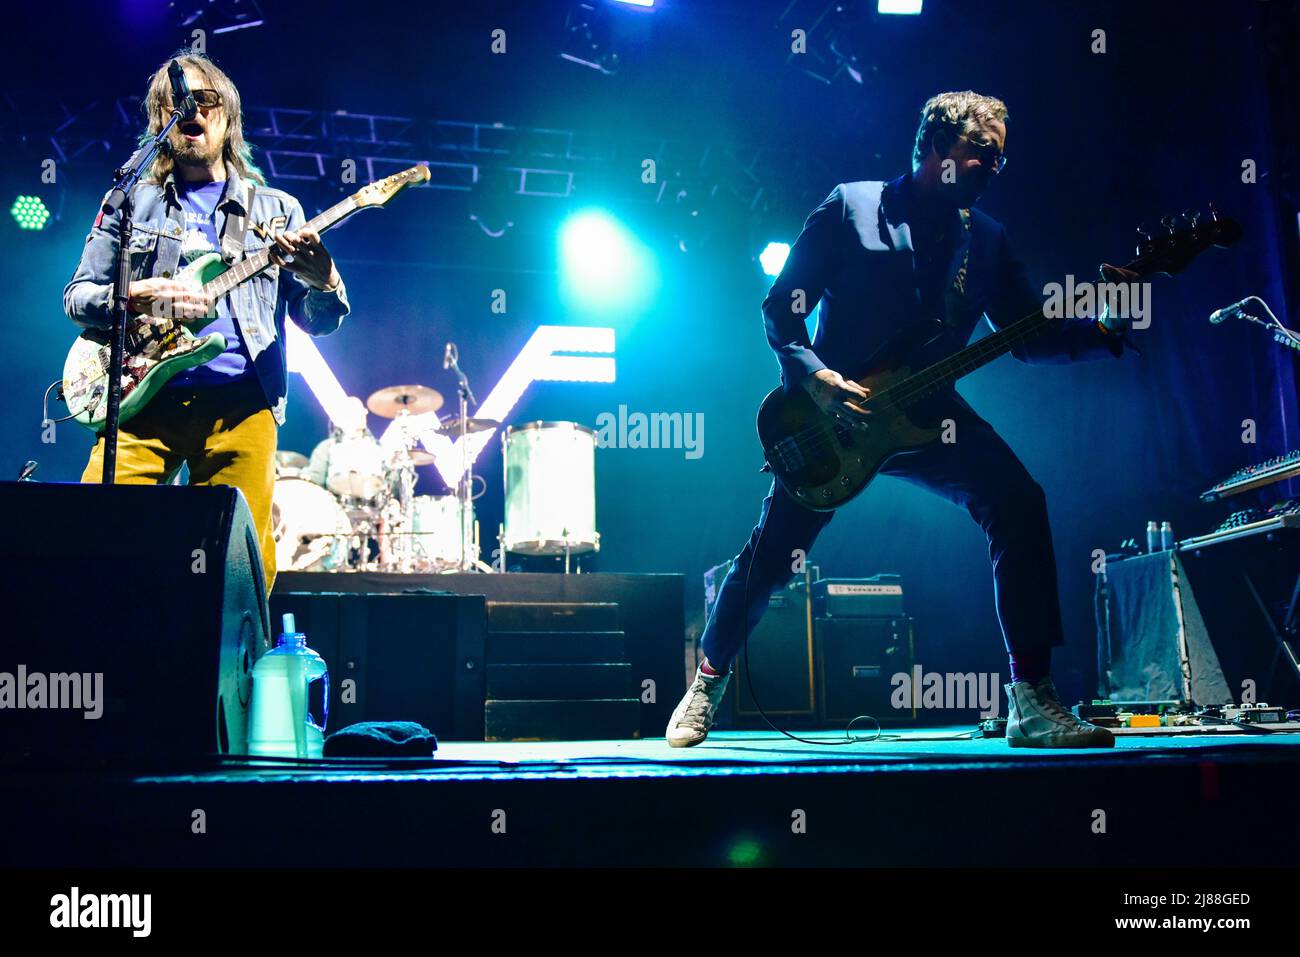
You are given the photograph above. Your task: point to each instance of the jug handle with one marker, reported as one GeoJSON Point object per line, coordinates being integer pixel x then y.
{"type": "Point", "coordinates": [325, 719]}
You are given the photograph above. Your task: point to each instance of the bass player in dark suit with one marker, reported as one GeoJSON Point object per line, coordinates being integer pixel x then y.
{"type": "Point", "coordinates": [879, 256]}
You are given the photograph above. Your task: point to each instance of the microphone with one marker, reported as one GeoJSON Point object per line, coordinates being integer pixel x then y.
{"type": "Point", "coordinates": [28, 471]}
{"type": "Point", "coordinates": [1229, 312]}
{"type": "Point", "coordinates": [182, 98]}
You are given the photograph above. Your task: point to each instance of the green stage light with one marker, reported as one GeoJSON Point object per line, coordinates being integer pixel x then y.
{"type": "Point", "coordinates": [745, 852]}
{"type": "Point", "coordinates": [29, 212]}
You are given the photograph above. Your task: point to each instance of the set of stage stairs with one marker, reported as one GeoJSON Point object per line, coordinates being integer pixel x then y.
{"type": "Point", "coordinates": [558, 671]}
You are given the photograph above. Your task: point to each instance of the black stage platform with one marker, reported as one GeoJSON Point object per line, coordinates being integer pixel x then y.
{"type": "Point", "coordinates": [650, 614]}
{"type": "Point", "coordinates": [923, 797]}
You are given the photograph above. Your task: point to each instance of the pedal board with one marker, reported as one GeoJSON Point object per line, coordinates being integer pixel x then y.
{"type": "Point", "coordinates": [1174, 717]}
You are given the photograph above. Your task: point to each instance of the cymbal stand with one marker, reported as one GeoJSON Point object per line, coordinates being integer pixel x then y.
{"type": "Point", "coordinates": [464, 489]}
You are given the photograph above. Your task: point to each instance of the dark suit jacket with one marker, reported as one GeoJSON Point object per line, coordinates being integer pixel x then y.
{"type": "Point", "coordinates": [854, 257]}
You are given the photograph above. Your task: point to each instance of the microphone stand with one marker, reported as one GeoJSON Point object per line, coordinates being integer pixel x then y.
{"type": "Point", "coordinates": [464, 491]}
{"type": "Point", "coordinates": [1281, 334]}
{"type": "Point", "coordinates": [120, 198]}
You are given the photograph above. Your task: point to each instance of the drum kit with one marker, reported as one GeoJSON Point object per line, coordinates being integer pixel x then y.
{"type": "Point", "coordinates": [352, 506]}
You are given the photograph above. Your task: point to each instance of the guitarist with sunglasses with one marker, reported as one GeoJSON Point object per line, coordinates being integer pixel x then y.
{"type": "Point", "coordinates": [204, 194]}
{"type": "Point", "coordinates": [879, 257]}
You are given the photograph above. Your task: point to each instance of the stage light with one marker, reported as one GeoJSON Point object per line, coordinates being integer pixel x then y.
{"type": "Point", "coordinates": [899, 6]}
{"type": "Point", "coordinates": [773, 257]}
{"type": "Point", "coordinates": [602, 265]}
{"type": "Point", "coordinates": [542, 359]}
{"type": "Point", "coordinates": [637, 3]}
{"type": "Point", "coordinates": [305, 359]}
{"type": "Point", "coordinates": [745, 852]}
{"type": "Point", "coordinates": [29, 212]}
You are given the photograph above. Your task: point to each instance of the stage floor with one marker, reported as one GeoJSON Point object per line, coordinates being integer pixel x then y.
{"type": "Point", "coordinates": [769, 752]}
{"type": "Point", "coordinates": [927, 797]}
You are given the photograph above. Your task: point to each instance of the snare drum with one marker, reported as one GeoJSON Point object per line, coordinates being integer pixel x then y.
{"type": "Point", "coordinates": [550, 489]}
{"type": "Point", "coordinates": [311, 529]}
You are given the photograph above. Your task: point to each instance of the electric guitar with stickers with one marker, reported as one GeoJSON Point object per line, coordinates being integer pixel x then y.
{"type": "Point", "coordinates": [159, 348]}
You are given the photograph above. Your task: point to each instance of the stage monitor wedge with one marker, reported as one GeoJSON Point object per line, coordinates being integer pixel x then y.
{"type": "Point", "coordinates": [135, 616]}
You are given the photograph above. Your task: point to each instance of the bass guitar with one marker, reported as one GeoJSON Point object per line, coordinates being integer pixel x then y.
{"type": "Point", "coordinates": [823, 461]}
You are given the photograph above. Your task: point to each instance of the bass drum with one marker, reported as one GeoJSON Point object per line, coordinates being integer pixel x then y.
{"type": "Point", "coordinates": [311, 529]}
{"type": "Point", "coordinates": [550, 489]}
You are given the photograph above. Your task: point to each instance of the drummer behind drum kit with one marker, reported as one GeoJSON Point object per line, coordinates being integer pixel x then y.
{"type": "Point", "coordinates": [367, 516]}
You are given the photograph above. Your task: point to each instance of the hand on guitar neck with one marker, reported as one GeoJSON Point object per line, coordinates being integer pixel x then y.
{"type": "Point", "coordinates": [1111, 324]}
{"type": "Point", "coordinates": [837, 396]}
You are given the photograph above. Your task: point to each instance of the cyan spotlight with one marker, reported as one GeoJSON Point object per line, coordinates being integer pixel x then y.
{"type": "Point", "coordinates": [603, 267]}
{"type": "Point", "coordinates": [773, 257]}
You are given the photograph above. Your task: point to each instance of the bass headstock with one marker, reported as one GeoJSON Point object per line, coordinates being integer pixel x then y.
{"type": "Point", "coordinates": [1180, 239]}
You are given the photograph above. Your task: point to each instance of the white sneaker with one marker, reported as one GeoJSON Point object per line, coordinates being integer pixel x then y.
{"type": "Point", "coordinates": [1037, 719]}
{"type": "Point", "coordinates": [693, 716]}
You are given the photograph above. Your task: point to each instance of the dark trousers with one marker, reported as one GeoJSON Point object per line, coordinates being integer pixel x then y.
{"type": "Point", "coordinates": [980, 473]}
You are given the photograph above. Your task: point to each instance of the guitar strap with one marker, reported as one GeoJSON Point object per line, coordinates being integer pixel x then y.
{"type": "Point", "coordinates": [232, 235]}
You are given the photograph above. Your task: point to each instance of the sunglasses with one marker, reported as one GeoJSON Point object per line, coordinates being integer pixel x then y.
{"type": "Point", "coordinates": [987, 152]}
{"type": "Point", "coordinates": [205, 99]}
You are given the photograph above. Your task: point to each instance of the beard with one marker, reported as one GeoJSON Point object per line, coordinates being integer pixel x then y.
{"type": "Point", "coordinates": [185, 153]}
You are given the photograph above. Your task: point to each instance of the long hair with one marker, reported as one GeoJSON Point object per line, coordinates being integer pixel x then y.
{"type": "Point", "coordinates": [236, 152]}
{"type": "Point", "coordinates": [954, 114]}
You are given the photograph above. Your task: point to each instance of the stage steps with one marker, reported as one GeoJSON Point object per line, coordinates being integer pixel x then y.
{"type": "Point", "coordinates": [558, 671]}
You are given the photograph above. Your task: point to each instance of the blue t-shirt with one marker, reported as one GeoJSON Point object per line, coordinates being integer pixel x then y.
{"type": "Point", "coordinates": [200, 204]}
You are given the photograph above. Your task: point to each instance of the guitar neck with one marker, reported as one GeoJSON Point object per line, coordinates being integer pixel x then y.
{"type": "Point", "coordinates": [255, 263]}
{"type": "Point", "coordinates": [1166, 254]}
{"type": "Point", "coordinates": [944, 373]}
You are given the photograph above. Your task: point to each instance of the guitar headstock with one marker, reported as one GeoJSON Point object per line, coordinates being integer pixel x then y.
{"type": "Point", "coordinates": [1167, 250]}
{"type": "Point", "coordinates": [381, 191]}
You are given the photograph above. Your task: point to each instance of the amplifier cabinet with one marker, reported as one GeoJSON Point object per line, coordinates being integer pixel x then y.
{"type": "Point", "coordinates": [779, 655]}
{"type": "Point", "coordinates": [856, 659]}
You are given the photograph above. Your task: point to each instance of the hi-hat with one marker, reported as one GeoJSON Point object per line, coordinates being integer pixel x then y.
{"type": "Point", "coordinates": [285, 459]}
{"type": "Point", "coordinates": [395, 399]}
{"type": "Point", "coordinates": [414, 456]}
{"type": "Point", "coordinates": [452, 426]}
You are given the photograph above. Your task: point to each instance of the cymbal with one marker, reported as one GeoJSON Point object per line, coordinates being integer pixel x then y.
{"type": "Point", "coordinates": [395, 399]}
{"type": "Point", "coordinates": [285, 459]}
{"type": "Point", "coordinates": [452, 426]}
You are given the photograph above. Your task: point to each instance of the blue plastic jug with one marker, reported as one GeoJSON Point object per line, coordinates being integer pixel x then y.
{"type": "Point", "coordinates": [280, 720]}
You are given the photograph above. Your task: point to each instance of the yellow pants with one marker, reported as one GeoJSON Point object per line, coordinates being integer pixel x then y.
{"type": "Point", "coordinates": [226, 434]}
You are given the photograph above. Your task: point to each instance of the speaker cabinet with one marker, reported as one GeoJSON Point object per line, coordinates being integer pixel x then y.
{"type": "Point", "coordinates": [144, 603]}
{"type": "Point", "coordinates": [417, 657]}
{"type": "Point", "coordinates": [779, 656]}
{"type": "Point", "coordinates": [856, 660]}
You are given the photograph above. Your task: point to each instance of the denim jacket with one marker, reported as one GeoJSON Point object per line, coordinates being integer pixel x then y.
{"type": "Point", "coordinates": [259, 304]}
